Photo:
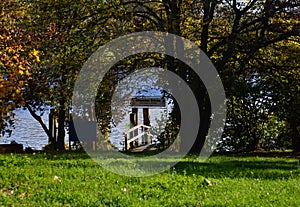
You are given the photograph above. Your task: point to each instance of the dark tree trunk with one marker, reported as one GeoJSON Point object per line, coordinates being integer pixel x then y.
{"type": "Point", "coordinates": [208, 14]}
{"type": "Point", "coordinates": [173, 9]}
{"type": "Point", "coordinates": [295, 138]}
{"type": "Point", "coordinates": [61, 126]}
{"type": "Point", "coordinates": [293, 114]}
{"type": "Point", "coordinates": [205, 114]}
{"type": "Point", "coordinates": [253, 143]}
{"type": "Point", "coordinates": [199, 88]}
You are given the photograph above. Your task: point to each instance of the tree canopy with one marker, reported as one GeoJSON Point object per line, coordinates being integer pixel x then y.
{"type": "Point", "coordinates": [254, 47]}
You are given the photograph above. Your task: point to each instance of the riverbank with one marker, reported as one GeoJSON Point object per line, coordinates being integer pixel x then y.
{"type": "Point", "coordinates": [73, 179]}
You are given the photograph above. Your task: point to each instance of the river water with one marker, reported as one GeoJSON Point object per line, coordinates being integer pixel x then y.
{"type": "Point", "coordinates": [29, 132]}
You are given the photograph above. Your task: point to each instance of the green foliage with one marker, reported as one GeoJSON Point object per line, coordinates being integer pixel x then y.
{"type": "Point", "coordinates": [165, 132]}
{"type": "Point", "coordinates": [262, 106]}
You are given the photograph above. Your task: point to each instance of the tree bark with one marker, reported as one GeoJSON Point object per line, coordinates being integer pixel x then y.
{"type": "Point", "coordinates": [295, 138]}
{"type": "Point", "coordinates": [61, 126]}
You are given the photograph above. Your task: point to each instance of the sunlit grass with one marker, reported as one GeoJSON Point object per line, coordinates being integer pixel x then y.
{"type": "Point", "coordinates": [73, 179]}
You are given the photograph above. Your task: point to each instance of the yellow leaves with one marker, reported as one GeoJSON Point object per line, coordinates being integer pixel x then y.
{"type": "Point", "coordinates": [198, 42]}
{"type": "Point", "coordinates": [21, 69]}
{"type": "Point", "coordinates": [35, 54]}
{"type": "Point", "coordinates": [15, 58]}
{"type": "Point", "coordinates": [10, 50]}
{"type": "Point", "coordinates": [18, 90]}
{"type": "Point", "coordinates": [27, 73]}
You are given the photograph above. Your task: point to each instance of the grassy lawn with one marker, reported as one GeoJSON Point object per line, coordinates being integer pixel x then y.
{"type": "Point", "coordinates": [73, 179]}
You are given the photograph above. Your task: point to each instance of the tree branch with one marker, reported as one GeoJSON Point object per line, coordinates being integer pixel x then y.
{"type": "Point", "coordinates": [39, 119]}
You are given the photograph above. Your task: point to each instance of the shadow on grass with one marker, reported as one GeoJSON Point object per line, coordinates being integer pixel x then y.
{"type": "Point", "coordinates": [265, 169]}
{"type": "Point", "coordinates": [54, 155]}
{"type": "Point", "coordinates": [215, 167]}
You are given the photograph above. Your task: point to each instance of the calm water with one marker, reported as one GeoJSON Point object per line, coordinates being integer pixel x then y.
{"type": "Point", "coordinates": [30, 133]}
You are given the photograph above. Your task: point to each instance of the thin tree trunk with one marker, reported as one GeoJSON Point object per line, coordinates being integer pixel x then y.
{"type": "Point", "coordinates": [61, 126]}
{"type": "Point", "coordinates": [295, 138]}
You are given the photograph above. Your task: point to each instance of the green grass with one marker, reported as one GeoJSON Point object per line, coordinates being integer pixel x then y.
{"type": "Point", "coordinates": [73, 179]}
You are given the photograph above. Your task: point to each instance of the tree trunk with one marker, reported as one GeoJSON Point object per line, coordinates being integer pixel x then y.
{"type": "Point", "coordinates": [205, 114]}
{"type": "Point", "coordinates": [295, 138]}
{"type": "Point", "coordinates": [61, 126]}
{"type": "Point", "coordinates": [198, 87]}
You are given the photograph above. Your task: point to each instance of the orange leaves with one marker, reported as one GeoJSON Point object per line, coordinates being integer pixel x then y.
{"type": "Point", "coordinates": [16, 57]}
